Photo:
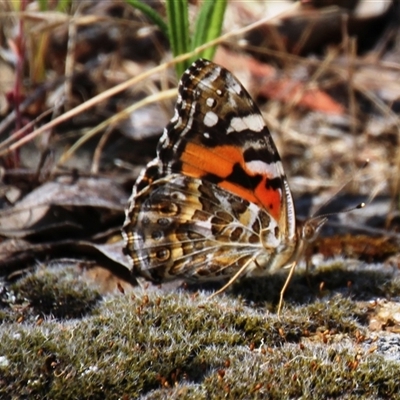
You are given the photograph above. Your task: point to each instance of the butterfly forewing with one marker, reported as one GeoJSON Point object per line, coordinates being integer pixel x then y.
{"type": "Point", "coordinates": [218, 134]}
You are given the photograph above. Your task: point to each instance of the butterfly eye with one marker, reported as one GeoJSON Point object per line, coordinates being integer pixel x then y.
{"type": "Point", "coordinates": [311, 228]}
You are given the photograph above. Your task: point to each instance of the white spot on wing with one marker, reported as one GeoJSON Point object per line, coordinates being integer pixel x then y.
{"type": "Point", "coordinates": [175, 117]}
{"type": "Point", "coordinates": [211, 77]}
{"type": "Point", "coordinates": [210, 119]}
{"type": "Point", "coordinates": [233, 85]}
{"type": "Point", "coordinates": [268, 237]}
{"type": "Point", "coordinates": [254, 122]}
{"type": "Point", "coordinates": [274, 170]}
{"type": "Point", "coordinates": [210, 102]}
{"type": "Point", "coordinates": [164, 139]}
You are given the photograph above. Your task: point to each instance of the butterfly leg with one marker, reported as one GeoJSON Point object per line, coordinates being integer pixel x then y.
{"type": "Point", "coordinates": [233, 279]}
{"type": "Point", "coordinates": [288, 279]}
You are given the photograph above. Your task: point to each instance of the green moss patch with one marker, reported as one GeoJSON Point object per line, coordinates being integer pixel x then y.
{"type": "Point", "coordinates": [54, 292]}
{"type": "Point", "coordinates": [183, 345]}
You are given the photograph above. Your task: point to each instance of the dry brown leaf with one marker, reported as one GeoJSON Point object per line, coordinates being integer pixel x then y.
{"type": "Point", "coordinates": [64, 203]}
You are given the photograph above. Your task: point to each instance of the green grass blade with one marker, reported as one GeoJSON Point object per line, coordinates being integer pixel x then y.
{"type": "Point", "coordinates": [43, 5]}
{"type": "Point", "coordinates": [209, 26]}
{"type": "Point", "coordinates": [178, 30]}
{"type": "Point", "coordinates": [63, 5]}
{"type": "Point", "coordinates": [151, 14]}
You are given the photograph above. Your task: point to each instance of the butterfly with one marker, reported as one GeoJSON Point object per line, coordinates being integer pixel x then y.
{"type": "Point", "coordinates": [215, 203]}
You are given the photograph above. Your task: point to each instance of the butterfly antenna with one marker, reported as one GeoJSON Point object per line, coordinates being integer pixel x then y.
{"type": "Point", "coordinates": [346, 211]}
{"type": "Point", "coordinates": [337, 191]}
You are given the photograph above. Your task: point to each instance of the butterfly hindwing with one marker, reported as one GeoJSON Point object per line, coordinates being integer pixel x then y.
{"type": "Point", "coordinates": [186, 225]}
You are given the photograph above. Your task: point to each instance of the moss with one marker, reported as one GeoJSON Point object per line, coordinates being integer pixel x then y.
{"type": "Point", "coordinates": [391, 287]}
{"type": "Point", "coordinates": [57, 292]}
{"type": "Point", "coordinates": [140, 345]}
{"type": "Point", "coordinates": [183, 345]}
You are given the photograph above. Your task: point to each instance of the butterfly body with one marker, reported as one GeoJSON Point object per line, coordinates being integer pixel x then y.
{"type": "Point", "coordinates": [215, 202]}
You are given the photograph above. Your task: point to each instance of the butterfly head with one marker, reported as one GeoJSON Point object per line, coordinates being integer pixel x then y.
{"type": "Point", "coordinates": [309, 230]}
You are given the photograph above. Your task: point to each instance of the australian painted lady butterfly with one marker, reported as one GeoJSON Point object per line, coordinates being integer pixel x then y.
{"type": "Point", "coordinates": [215, 203]}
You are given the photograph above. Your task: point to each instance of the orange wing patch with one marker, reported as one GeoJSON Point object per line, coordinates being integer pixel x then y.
{"type": "Point", "coordinates": [269, 198]}
{"type": "Point", "coordinates": [198, 161]}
